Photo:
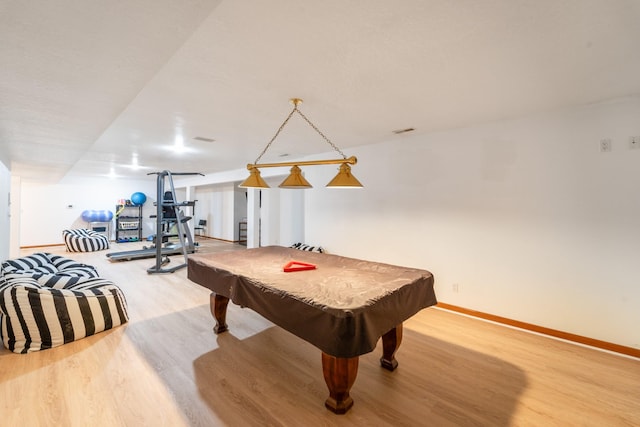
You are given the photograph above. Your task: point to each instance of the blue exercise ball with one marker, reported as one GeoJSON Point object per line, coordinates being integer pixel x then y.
{"type": "Point", "coordinates": [138, 198]}
{"type": "Point", "coordinates": [97, 216]}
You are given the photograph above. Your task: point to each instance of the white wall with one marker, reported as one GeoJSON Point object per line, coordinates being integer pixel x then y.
{"type": "Point", "coordinates": [239, 210]}
{"type": "Point", "coordinates": [46, 210]}
{"type": "Point", "coordinates": [527, 217]}
{"type": "Point", "coordinates": [224, 205]}
{"type": "Point", "coordinates": [216, 204]}
{"type": "Point", "coordinates": [14, 233]}
{"type": "Point", "coordinates": [5, 211]}
{"type": "Point", "coordinates": [270, 213]}
{"type": "Point", "coordinates": [281, 214]}
{"type": "Point", "coordinates": [292, 217]}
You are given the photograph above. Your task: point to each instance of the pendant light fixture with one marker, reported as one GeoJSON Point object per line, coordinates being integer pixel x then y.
{"type": "Point", "coordinates": [295, 180]}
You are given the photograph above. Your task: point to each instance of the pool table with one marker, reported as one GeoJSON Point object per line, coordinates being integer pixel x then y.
{"type": "Point", "coordinates": [343, 306]}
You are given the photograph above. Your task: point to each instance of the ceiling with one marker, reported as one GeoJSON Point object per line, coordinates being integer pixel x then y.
{"type": "Point", "coordinates": [89, 88]}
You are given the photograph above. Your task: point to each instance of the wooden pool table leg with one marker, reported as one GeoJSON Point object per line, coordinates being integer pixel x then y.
{"type": "Point", "coordinates": [339, 374]}
{"type": "Point", "coordinates": [390, 343]}
{"type": "Point", "coordinates": [218, 305]}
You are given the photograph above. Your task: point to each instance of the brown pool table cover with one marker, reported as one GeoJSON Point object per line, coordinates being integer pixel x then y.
{"type": "Point", "coordinates": [342, 307]}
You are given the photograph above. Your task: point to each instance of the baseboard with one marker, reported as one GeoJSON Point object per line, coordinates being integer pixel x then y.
{"type": "Point", "coordinates": [42, 246]}
{"type": "Point", "coordinates": [218, 239]}
{"type": "Point", "coordinates": [603, 345]}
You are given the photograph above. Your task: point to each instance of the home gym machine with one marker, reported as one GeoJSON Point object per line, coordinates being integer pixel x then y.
{"type": "Point", "coordinates": [168, 215]}
{"type": "Point", "coordinates": [170, 206]}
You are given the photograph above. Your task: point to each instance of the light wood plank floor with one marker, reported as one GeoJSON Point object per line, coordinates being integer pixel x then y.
{"type": "Point", "coordinates": [167, 368]}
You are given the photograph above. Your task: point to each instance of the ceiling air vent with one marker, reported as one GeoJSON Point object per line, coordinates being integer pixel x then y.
{"type": "Point", "coordinates": [399, 131]}
{"type": "Point", "coordinates": [203, 139]}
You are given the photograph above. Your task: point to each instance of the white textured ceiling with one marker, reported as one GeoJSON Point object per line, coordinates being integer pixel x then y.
{"type": "Point", "coordinates": [86, 85]}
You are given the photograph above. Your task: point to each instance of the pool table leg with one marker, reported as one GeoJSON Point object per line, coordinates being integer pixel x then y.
{"type": "Point", "coordinates": [390, 343]}
{"type": "Point", "coordinates": [218, 305]}
{"type": "Point", "coordinates": [339, 374]}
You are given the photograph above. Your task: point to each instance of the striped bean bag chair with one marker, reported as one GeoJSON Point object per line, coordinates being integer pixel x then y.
{"type": "Point", "coordinates": [47, 300]}
{"type": "Point", "coordinates": [309, 248]}
{"type": "Point", "coordinates": [83, 240]}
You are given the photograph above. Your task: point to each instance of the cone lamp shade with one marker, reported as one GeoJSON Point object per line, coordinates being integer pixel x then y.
{"type": "Point", "coordinates": [344, 179]}
{"type": "Point", "coordinates": [254, 180]}
{"type": "Point", "coordinates": [295, 180]}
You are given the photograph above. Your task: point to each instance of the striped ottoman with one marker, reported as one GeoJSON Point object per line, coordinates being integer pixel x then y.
{"type": "Point", "coordinates": [47, 300]}
{"type": "Point", "coordinates": [83, 240]}
{"type": "Point", "coordinates": [305, 247]}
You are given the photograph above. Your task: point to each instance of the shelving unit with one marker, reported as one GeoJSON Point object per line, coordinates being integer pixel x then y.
{"type": "Point", "coordinates": [242, 233]}
{"type": "Point", "coordinates": [128, 223]}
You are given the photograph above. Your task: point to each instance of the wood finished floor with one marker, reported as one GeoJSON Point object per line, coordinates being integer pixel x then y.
{"type": "Point", "coordinates": [167, 368]}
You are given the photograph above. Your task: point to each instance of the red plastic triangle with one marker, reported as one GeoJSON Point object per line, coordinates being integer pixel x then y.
{"type": "Point", "coordinates": [297, 266]}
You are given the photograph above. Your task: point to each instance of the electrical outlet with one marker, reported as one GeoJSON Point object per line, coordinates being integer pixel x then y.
{"type": "Point", "coordinates": [634, 143]}
{"type": "Point", "coordinates": [455, 287]}
{"type": "Point", "coordinates": [605, 145]}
